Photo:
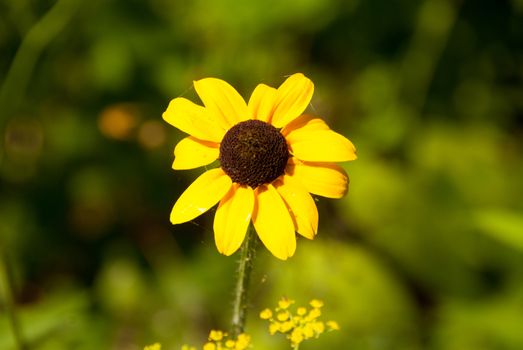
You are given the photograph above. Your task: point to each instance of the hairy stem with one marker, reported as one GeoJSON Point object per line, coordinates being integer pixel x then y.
{"type": "Point", "coordinates": [239, 312]}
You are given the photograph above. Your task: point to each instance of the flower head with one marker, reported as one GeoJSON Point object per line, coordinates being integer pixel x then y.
{"type": "Point", "coordinates": [272, 157]}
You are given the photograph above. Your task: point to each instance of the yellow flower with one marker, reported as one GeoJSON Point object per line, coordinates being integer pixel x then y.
{"type": "Point", "coordinates": [284, 303]}
{"type": "Point", "coordinates": [319, 327]}
{"type": "Point", "coordinates": [219, 340]}
{"type": "Point", "coordinates": [296, 336]}
{"type": "Point", "coordinates": [273, 328]}
{"type": "Point", "coordinates": [333, 325]}
{"type": "Point", "coordinates": [313, 314]}
{"type": "Point", "coordinates": [265, 314]}
{"type": "Point", "coordinates": [315, 303]}
{"type": "Point", "coordinates": [283, 316]}
{"type": "Point", "coordinates": [298, 324]}
{"type": "Point", "coordinates": [243, 341]}
{"type": "Point", "coordinates": [209, 346]}
{"type": "Point", "coordinates": [155, 346]}
{"type": "Point", "coordinates": [286, 326]}
{"type": "Point", "coordinates": [272, 156]}
{"type": "Point", "coordinates": [215, 335]}
{"type": "Point", "coordinates": [308, 330]}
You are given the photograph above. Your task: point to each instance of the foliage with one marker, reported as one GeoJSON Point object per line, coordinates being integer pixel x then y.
{"type": "Point", "coordinates": [424, 252]}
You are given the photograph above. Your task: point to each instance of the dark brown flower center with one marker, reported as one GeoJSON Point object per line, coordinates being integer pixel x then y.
{"type": "Point", "coordinates": [253, 153]}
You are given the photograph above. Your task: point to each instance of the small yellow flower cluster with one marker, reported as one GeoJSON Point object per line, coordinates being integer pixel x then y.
{"type": "Point", "coordinates": [219, 340]}
{"type": "Point", "coordinates": [299, 325]}
{"type": "Point", "coordinates": [155, 346]}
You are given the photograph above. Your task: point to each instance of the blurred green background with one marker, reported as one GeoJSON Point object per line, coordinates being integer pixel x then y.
{"type": "Point", "coordinates": [425, 252]}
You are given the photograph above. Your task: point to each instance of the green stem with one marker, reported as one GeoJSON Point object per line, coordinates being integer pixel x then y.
{"type": "Point", "coordinates": [12, 91]}
{"type": "Point", "coordinates": [239, 311]}
{"type": "Point", "coordinates": [7, 293]}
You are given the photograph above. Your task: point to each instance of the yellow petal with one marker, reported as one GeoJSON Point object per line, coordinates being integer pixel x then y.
{"type": "Point", "coordinates": [191, 153]}
{"type": "Point", "coordinates": [324, 179]}
{"type": "Point", "coordinates": [261, 103]}
{"type": "Point", "coordinates": [320, 146]}
{"type": "Point", "coordinates": [273, 222]}
{"type": "Point", "coordinates": [223, 100]}
{"type": "Point", "coordinates": [305, 121]}
{"type": "Point", "coordinates": [232, 218]}
{"type": "Point", "coordinates": [201, 195]}
{"type": "Point", "coordinates": [292, 97]}
{"type": "Point", "coordinates": [303, 209]}
{"type": "Point", "coordinates": [193, 120]}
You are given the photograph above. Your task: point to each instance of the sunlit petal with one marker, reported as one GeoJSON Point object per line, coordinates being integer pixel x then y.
{"type": "Point", "coordinates": [273, 222]}
{"type": "Point", "coordinates": [223, 100]}
{"type": "Point", "coordinates": [292, 97]}
{"type": "Point", "coordinates": [232, 218]}
{"type": "Point", "coordinates": [304, 121]}
{"type": "Point", "coordinates": [320, 146]}
{"type": "Point", "coordinates": [191, 153]}
{"type": "Point", "coordinates": [324, 179]}
{"type": "Point", "coordinates": [201, 195]}
{"type": "Point", "coordinates": [261, 103]}
{"type": "Point", "coordinates": [303, 209]}
{"type": "Point", "coordinates": [193, 120]}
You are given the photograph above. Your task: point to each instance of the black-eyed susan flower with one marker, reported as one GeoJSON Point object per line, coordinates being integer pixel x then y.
{"type": "Point", "coordinates": [272, 158]}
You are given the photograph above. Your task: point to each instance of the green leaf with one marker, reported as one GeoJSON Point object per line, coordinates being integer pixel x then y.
{"type": "Point", "coordinates": [505, 226]}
